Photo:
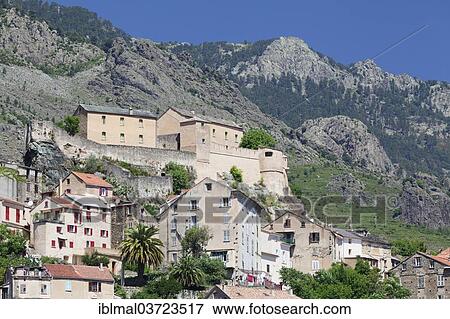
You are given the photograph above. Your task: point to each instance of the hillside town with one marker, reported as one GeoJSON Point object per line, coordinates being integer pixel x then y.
{"type": "Point", "coordinates": [176, 205]}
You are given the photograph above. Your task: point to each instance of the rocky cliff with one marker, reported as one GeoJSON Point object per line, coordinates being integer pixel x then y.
{"type": "Point", "coordinates": [348, 140]}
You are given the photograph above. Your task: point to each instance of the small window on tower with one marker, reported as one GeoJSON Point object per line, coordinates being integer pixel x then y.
{"type": "Point", "coordinates": [141, 123]}
{"type": "Point", "coordinates": [122, 137]}
{"type": "Point", "coordinates": [141, 139]}
{"type": "Point", "coordinates": [103, 119]}
{"type": "Point", "coordinates": [122, 121]}
{"type": "Point", "coordinates": [103, 136]}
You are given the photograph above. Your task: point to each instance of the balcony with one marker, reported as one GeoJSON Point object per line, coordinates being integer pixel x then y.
{"type": "Point", "coordinates": [48, 218]}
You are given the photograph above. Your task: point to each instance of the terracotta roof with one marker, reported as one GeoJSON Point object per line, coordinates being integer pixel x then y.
{"type": "Point", "coordinates": [443, 257]}
{"type": "Point", "coordinates": [92, 180]}
{"type": "Point", "coordinates": [238, 292]}
{"type": "Point", "coordinates": [64, 202]}
{"type": "Point", "coordinates": [11, 201]}
{"type": "Point", "coordinates": [79, 272]}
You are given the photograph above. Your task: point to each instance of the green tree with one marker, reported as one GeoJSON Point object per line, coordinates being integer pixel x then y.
{"type": "Point", "coordinates": [12, 251]}
{"type": "Point", "coordinates": [256, 138]}
{"type": "Point", "coordinates": [142, 248]}
{"type": "Point", "coordinates": [236, 173]}
{"type": "Point", "coordinates": [195, 240]}
{"type": "Point", "coordinates": [407, 247]}
{"type": "Point", "coordinates": [71, 124]}
{"type": "Point", "coordinates": [95, 259]}
{"type": "Point", "coordinates": [214, 270]}
{"type": "Point", "coordinates": [340, 281]}
{"type": "Point", "coordinates": [163, 288]}
{"type": "Point", "coordinates": [181, 177]}
{"type": "Point", "coordinates": [188, 273]}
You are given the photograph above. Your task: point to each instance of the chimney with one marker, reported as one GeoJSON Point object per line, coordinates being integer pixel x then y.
{"type": "Point", "coordinates": [101, 266]}
{"type": "Point", "coordinates": [130, 110]}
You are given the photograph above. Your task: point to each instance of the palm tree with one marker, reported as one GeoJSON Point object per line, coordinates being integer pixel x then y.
{"type": "Point", "coordinates": [187, 272]}
{"type": "Point", "coordinates": [142, 248]}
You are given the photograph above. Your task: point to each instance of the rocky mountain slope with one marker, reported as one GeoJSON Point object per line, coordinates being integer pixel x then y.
{"type": "Point", "coordinates": [289, 80]}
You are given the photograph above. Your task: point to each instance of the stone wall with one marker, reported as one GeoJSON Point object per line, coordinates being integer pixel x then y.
{"type": "Point", "coordinates": [145, 186]}
{"type": "Point", "coordinates": [169, 141]}
{"type": "Point", "coordinates": [78, 147]}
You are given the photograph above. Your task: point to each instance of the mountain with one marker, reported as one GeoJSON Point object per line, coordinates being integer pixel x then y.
{"type": "Point", "coordinates": [292, 82]}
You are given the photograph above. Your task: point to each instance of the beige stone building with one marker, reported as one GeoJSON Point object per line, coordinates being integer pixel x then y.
{"type": "Point", "coordinates": [425, 276]}
{"type": "Point", "coordinates": [313, 245]}
{"type": "Point", "coordinates": [65, 226]}
{"type": "Point", "coordinates": [234, 221]}
{"type": "Point", "coordinates": [15, 216]}
{"type": "Point", "coordinates": [117, 126]}
{"type": "Point", "coordinates": [84, 184]}
{"type": "Point", "coordinates": [58, 282]}
{"type": "Point", "coordinates": [215, 142]}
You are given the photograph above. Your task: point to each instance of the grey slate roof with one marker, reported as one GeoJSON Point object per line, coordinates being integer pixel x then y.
{"type": "Point", "coordinates": [117, 110]}
{"type": "Point", "coordinates": [204, 118]}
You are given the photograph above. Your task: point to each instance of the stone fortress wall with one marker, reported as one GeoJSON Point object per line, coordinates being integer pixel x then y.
{"type": "Point", "coordinates": [208, 159]}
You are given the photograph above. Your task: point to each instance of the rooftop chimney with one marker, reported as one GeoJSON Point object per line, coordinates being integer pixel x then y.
{"type": "Point", "coordinates": [130, 110]}
{"type": "Point", "coordinates": [101, 266]}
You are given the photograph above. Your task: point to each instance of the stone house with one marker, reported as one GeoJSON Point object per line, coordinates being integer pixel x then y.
{"type": "Point", "coordinates": [313, 245]}
{"type": "Point", "coordinates": [84, 184]}
{"type": "Point", "coordinates": [58, 282]}
{"type": "Point", "coordinates": [20, 183]}
{"type": "Point", "coordinates": [65, 226]}
{"type": "Point", "coordinates": [234, 221]}
{"type": "Point", "coordinates": [425, 276]}
{"type": "Point", "coordinates": [117, 126]}
{"type": "Point", "coordinates": [16, 216]}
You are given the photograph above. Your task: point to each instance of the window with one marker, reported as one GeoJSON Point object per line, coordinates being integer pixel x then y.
{"type": "Point", "coordinates": [68, 285]}
{"type": "Point", "coordinates": [208, 187]}
{"type": "Point", "coordinates": [7, 213]}
{"type": "Point", "coordinates": [103, 119]}
{"type": "Point", "coordinates": [44, 289]}
{"type": "Point", "coordinates": [77, 218]}
{"type": "Point", "coordinates": [28, 187]}
{"type": "Point", "coordinates": [173, 224]}
{"type": "Point", "coordinates": [421, 282]}
{"type": "Point", "coordinates": [103, 233]}
{"type": "Point", "coordinates": [226, 135]}
{"type": "Point", "coordinates": [225, 202]}
{"type": "Point", "coordinates": [440, 280]}
{"type": "Point", "coordinates": [417, 262]}
{"type": "Point", "coordinates": [141, 123]}
{"type": "Point", "coordinates": [88, 231]}
{"type": "Point", "coordinates": [90, 244]}
{"type": "Point", "coordinates": [141, 139]}
{"type": "Point", "coordinates": [103, 191]}
{"type": "Point", "coordinates": [95, 286]}
{"type": "Point", "coordinates": [404, 266]}
{"type": "Point", "coordinates": [226, 235]}
{"type": "Point", "coordinates": [103, 136]}
{"type": "Point", "coordinates": [59, 229]}
{"type": "Point", "coordinates": [287, 223]}
{"type": "Point", "coordinates": [174, 257]}
{"type": "Point", "coordinates": [268, 268]}
{"type": "Point", "coordinates": [122, 121]}
{"type": "Point", "coordinates": [315, 265]}
{"type": "Point", "coordinates": [103, 245]}
{"type": "Point", "coordinates": [88, 216]}
{"type": "Point", "coordinates": [122, 137]}
{"type": "Point", "coordinates": [46, 204]}
{"type": "Point", "coordinates": [235, 138]}
{"type": "Point", "coordinates": [314, 238]}
{"type": "Point", "coordinates": [68, 181]}
{"type": "Point", "coordinates": [349, 251]}
{"type": "Point", "coordinates": [214, 132]}
{"type": "Point", "coordinates": [349, 240]}
{"type": "Point", "coordinates": [68, 191]}
{"type": "Point", "coordinates": [17, 215]}
{"type": "Point", "coordinates": [53, 243]}
{"type": "Point", "coordinates": [104, 218]}
{"type": "Point", "coordinates": [173, 239]}
{"type": "Point", "coordinates": [71, 228]}
{"type": "Point", "coordinates": [268, 154]}
{"type": "Point", "coordinates": [226, 218]}
{"type": "Point", "coordinates": [193, 204]}
{"type": "Point", "coordinates": [23, 289]}
{"type": "Point", "coordinates": [70, 244]}
{"type": "Point", "coordinates": [203, 141]}
{"type": "Point", "coordinates": [302, 225]}
{"type": "Point", "coordinates": [431, 264]}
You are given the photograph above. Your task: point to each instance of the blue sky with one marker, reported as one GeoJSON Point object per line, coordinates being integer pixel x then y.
{"type": "Point", "coordinates": [346, 30]}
